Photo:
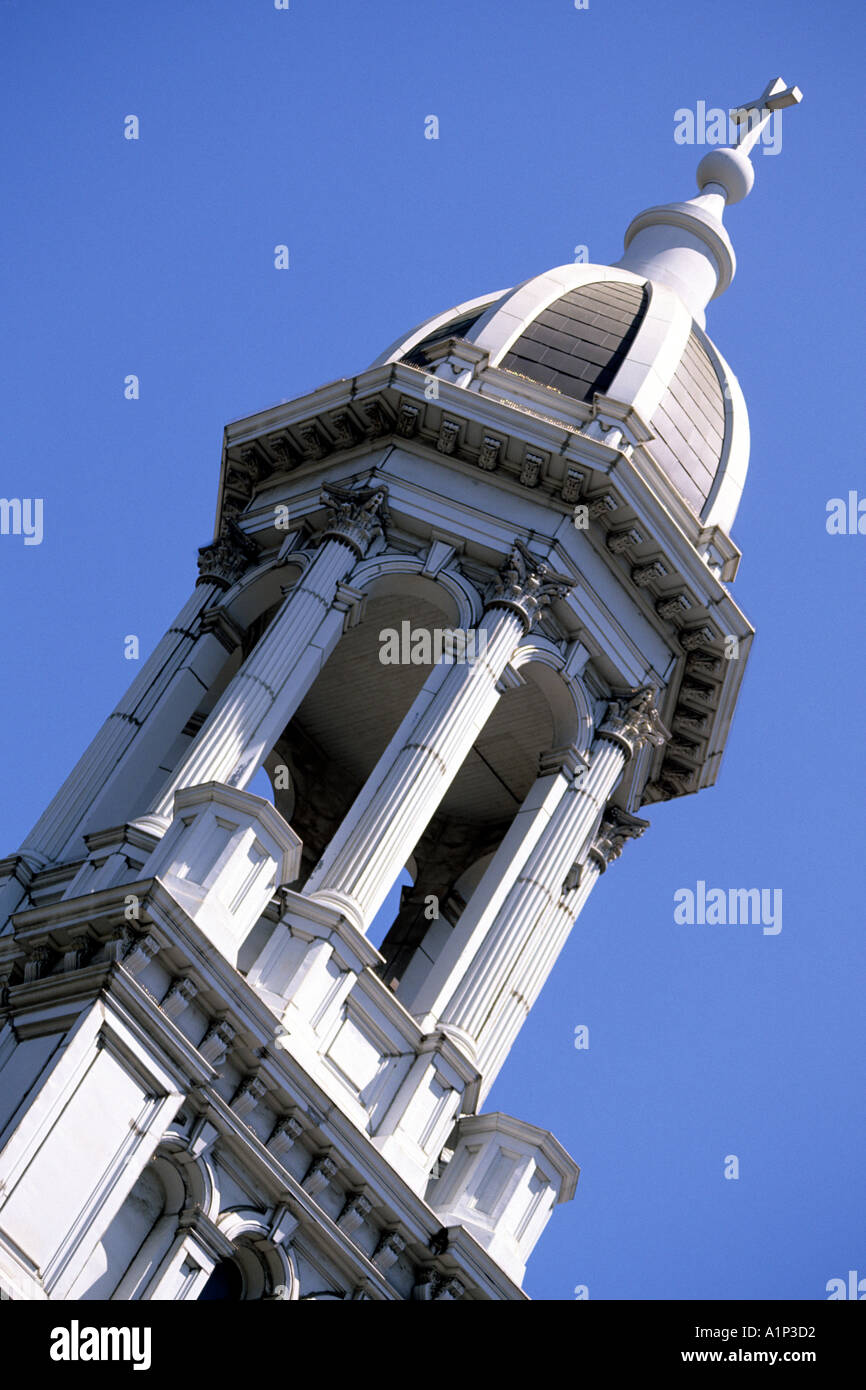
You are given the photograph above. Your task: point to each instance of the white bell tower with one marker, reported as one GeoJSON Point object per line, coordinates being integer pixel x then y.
{"type": "Point", "coordinates": [469, 610]}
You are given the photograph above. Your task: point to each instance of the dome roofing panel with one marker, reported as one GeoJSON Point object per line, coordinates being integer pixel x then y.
{"type": "Point", "coordinates": [578, 343]}
{"type": "Point", "coordinates": [689, 426]}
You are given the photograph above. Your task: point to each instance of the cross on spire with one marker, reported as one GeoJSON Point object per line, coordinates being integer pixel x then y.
{"type": "Point", "coordinates": [774, 97]}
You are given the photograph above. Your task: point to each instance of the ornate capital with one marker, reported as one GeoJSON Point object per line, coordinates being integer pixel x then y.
{"type": "Point", "coordinates": [616, 827]}
{"type": "Point", "coordinates": [526, 585]}
{"type": "Point", "coordinates": [356, 516]}
{"type": "Point", "coordinates": [633, 721]}
{"type": "Point", "coordinates": [226, 558]}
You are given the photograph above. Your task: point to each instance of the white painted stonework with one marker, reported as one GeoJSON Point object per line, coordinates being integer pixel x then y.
{"type": "Point", "coordinates": [212, 1082]}
{"type": "Point", "coordinates": [222, 857]}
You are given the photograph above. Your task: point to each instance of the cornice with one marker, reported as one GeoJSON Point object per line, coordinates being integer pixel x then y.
{"type": "Point", "coordinates": [646, 486]}
{"type": "Point", "coordinates": [128, 834]}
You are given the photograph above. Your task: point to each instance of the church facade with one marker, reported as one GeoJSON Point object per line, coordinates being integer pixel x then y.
{"type": "Point", "coordinates": [470, 612]}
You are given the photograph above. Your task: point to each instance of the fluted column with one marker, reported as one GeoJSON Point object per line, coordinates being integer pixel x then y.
{"type": "Point", "coordinates": [220, 564]}
{"type": "Point", "coordinates": [261, 698]}
{"type": "Point", "coordinates": [429, 982]}
{"type": "Point", "coordinates": [412, 787]}
{"type": "Point", "coordinates": [547, 941]}
{"type": "Point", "coordinates": [504, 963]}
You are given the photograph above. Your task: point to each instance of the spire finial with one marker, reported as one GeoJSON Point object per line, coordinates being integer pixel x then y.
{"type": "Point", "coordinates": [685, 245]}
{"type": "Point", "coordinates": [730, 168]}
{"type": "Point", "coordinates": [774, 97]}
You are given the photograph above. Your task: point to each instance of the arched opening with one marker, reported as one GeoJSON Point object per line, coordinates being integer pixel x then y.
{"type": "Point", "coordinates": [469, 825]}
{"type": "Point", "coordinates": [241, 1277]}
{"type": "Point", "coordinates": [255, 1269]}
{"type": "Point", "coordinates": [225, 1284]}
{"type": "Point", "coordinates": [331, 746]}
{"type": "Point", "coordinates": [345, 722]}
{"type": "Point", "coordinates": [390, 909]}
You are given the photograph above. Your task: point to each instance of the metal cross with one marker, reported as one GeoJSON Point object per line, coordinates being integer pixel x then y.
{"type": "Point", "coordinates": [774, 96]}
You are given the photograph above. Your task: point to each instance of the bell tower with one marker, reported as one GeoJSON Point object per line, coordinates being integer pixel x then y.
{"type": "Point", "coordinates": [469, 611]}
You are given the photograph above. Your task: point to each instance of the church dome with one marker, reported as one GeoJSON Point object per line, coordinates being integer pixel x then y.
{"type": "Point", "coordinates": [626, 339]}
{"type": "Point", "coordinates": [583, 330]}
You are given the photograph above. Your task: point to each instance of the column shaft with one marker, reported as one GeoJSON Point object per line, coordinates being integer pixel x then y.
{"type": "Point", "coordinates": [490, 978]}
{"type": "Point", "coordinates": [423, 982]}
{"type": "Point", "coordinates": [360, 876]}
{"type": "Point", "coordinates": [260, 699]}
{"type": "Point", "coordinates": [543, 950]}
{"type": "Point", "coordinates": [62, 818]}
{"type": "Point", "coordinates": [494, 996]}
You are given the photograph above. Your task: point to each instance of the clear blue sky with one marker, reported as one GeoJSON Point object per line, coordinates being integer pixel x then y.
{"type": "Point", "coordinates": [155, 257]}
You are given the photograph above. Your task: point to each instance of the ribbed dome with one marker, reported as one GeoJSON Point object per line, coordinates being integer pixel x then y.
{"type": "Point", "coordinates": [628, 335]}
{"type": "Point", "coordinates": [689, 426]}
{"type": "Point", "coordinates": [577, 346]}
{"type": "Point", "coordinates": [582, 331]}
{"type": "Point", "coordinates": [579, 342]}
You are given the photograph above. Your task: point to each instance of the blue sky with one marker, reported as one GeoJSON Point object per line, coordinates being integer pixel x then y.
{"type": "Point", "coordinates": [155, 257]}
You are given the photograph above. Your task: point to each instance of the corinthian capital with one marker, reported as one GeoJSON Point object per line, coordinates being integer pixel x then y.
{"type": "Point", "coordinates": [226, 558]}
{"type": "Point", "coordinates": [526, 585]}
{"type": "Point", "coordinates": [356, 516]}
{"type": "Point", "coordinates": [634, 721]}
{"type": "Point", "coordinates": [616, 827]}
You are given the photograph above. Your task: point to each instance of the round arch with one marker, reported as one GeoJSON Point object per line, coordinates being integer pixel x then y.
{"type": "Point", "coordinates": [196, 1173]}
{"type": "Point", "coordinates": [541, 661]}
{"type": "Point", "coordinates": [264, 587]}
{"type": "Point", "coordinates": [387, 574]}
{"type": "Point", "coordinates": [267, 1268]}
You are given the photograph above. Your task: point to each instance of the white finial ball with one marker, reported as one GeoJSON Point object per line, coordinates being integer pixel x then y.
{"type": "Point", "coordinates": [730, 168]}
